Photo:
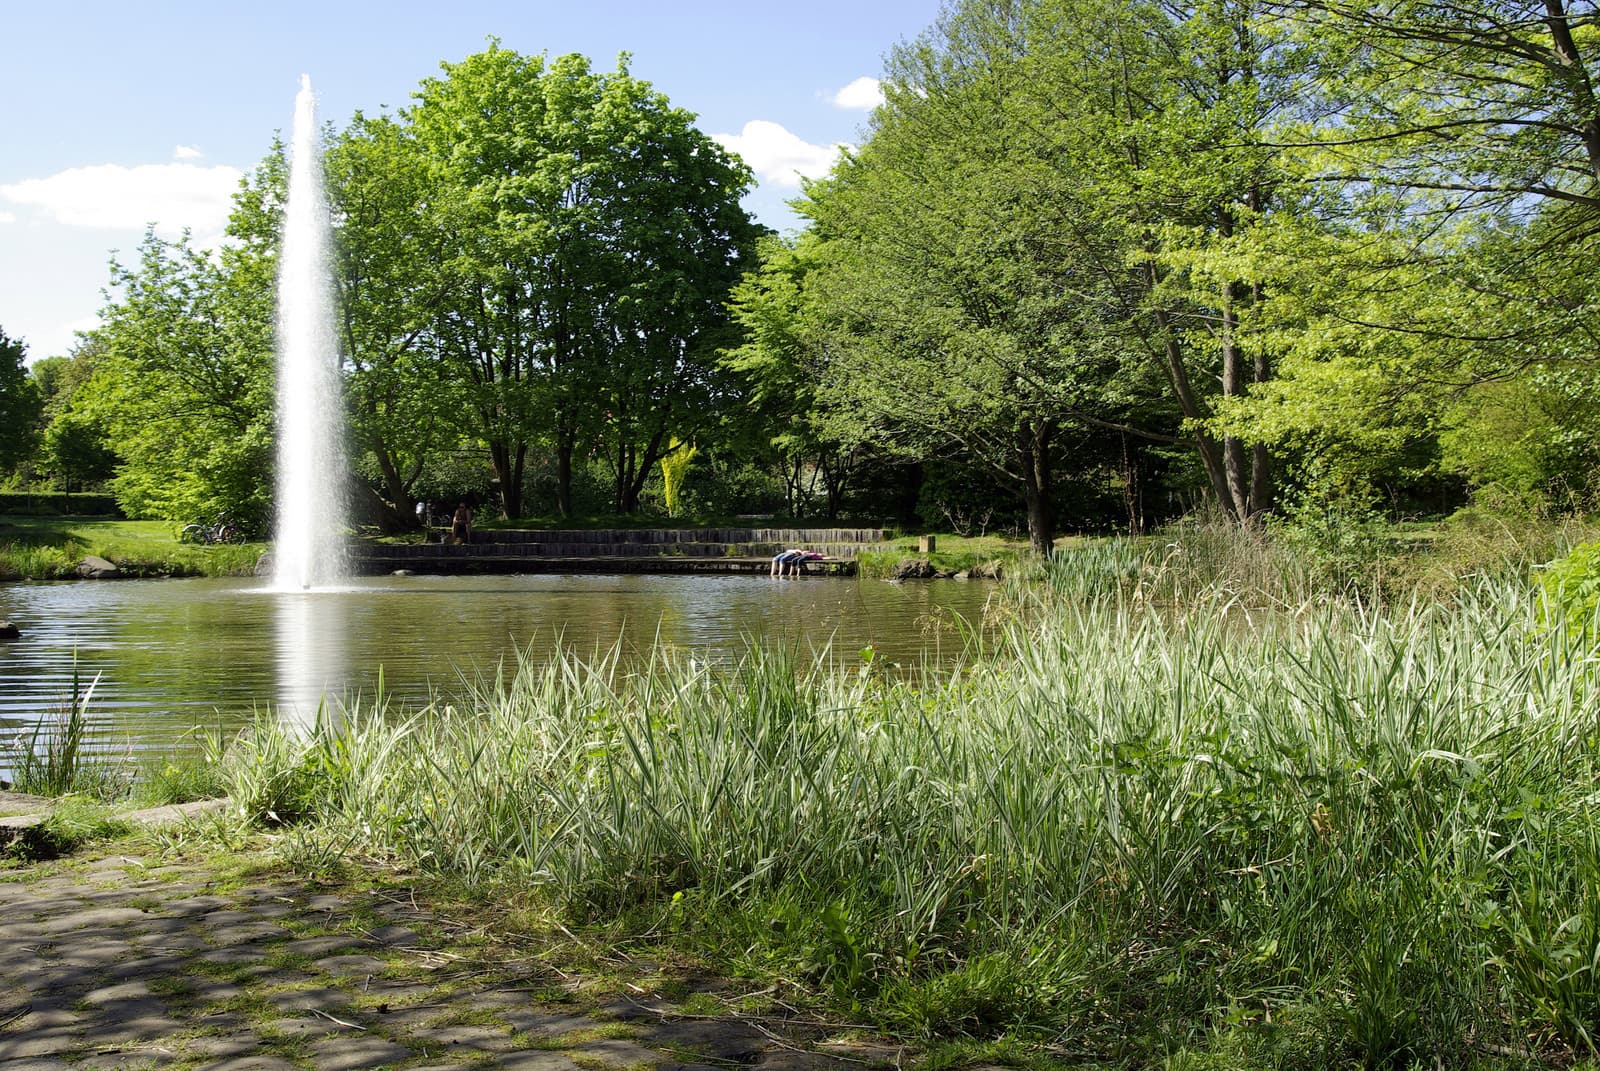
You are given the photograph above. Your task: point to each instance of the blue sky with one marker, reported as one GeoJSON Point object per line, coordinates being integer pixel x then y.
{"type": "Point", "coordinates": [121, 114]}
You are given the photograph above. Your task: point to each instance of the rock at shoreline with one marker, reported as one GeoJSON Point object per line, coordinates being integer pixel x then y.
{"type": "Point", "coordinates": [987, 571]}
{"type": "Point", "coordinates": [913, 569]}
{"type": "Point", "coordinates": [265, 565]}
{"type": "Point", "coordinates": [8, 631]}
{"type": "Point", "coordinates": [97, 568]}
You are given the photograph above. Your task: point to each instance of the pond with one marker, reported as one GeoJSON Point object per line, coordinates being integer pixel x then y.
{"type": "Point", "coordinates": [171, 655]}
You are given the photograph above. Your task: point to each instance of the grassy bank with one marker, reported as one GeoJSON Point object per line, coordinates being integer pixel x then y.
{"type": "Point", "coordinates": [49, 548]}
{"type": "Point", "coordinates": [991, 555]}
{"type": "Point", "coordinates": [1188, 832]}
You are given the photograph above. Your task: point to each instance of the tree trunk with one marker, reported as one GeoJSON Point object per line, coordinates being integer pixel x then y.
{"type": "Point", "coordinates": [508, 459]}
{"type": "Point", "coordinates": [564, 470]}
{"type": "Point", "coordinates": [395, 490]}
{"type": "Point", "coordinates": [1560, 20]}
{"type": "Point", "coordinates": [1034, 442]}
{"type": "Point", "coordinates": [835, 477]}
{"type": "Point", "coordinates": [1211, 455]}
{"type": "Point", "coordinates": [1132, 489]}
{"type": "Point", "coordinates": [1235, 466]}
{"type": "Point", "coordinates": [1261, 489]}
{"type": "Point", "coordinates": [640, 462]}
{"type": "Point", "coordinates": [373, 506]}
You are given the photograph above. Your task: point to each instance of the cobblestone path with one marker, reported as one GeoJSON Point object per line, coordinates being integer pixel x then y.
{"type": "Point", "coordinates": [114, 963]}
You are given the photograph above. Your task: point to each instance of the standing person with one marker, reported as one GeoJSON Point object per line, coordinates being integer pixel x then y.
{"type": "Point", "coordinates": [461, 524]}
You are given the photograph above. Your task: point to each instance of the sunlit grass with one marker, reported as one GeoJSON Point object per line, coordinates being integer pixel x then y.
{"type": "Point", "coordinates": [1134, 827]}
{"type": "Point", "coordinates": [49, 548]}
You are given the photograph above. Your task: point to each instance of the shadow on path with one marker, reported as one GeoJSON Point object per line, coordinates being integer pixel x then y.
{"type": "Point", "coordinates": [118, 964]}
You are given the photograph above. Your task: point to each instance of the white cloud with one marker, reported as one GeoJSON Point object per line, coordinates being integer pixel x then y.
{"type": "Point", "coordinates": [186, 152]}
{"type": "Point", "coordinates": [113, 197]}
{"type": "Point", "coordinates": [864, 94]}
{"type": "Point", "coordinates": [776, 155]}
{"type": "Point", "coordinates": [7, 217]}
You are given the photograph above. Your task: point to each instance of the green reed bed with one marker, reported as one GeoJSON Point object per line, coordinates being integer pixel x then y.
{"type": "Point", "coordinates": [1212, 836]}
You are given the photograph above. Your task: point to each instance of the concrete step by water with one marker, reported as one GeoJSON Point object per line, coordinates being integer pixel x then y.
{"type": "Point", "coordinates": [656, 550]}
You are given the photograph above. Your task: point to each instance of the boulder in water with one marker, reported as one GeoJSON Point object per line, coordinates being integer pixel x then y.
{"type": "Point", "coordinates": [8, 631]}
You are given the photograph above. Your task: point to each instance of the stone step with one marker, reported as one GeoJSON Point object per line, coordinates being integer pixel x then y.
{"type": "Point", "coordinates": [20, 813]}
{"type": "Point", "coordinates": [675, 536]}
{"type": "Point", "coordinates": [379, 560]}
{"type": "Point", "coordinates": [614, 550]}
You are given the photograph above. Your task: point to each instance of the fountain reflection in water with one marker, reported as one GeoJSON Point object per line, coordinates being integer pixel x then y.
{"type": "Point", "coordinates": [310, 629]}
{"type": "Point", "coordinates": [308, 546]}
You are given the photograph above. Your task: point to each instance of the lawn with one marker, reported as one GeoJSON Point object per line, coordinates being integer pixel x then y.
{"type": "Point", "coordinates": [49, 548]}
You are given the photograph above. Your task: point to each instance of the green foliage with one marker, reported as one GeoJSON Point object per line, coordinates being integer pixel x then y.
{"type": "Point", "coordinates": [184, 775]}
{"type": "Point", "coordinates": [582, 237]}
{"type": "Point", "coordinates": [278, 775]}
{"type": "Point", "coordinates": [1345, 543]}
{"type": "Point", "coordinates": [1571, 589]}
{"type": "Point", "coordinates": [1533, 436]}
{"type": "Point", "coordinates": [674, 466]}
{"type": "Point", "coordinates": [184, 386]}
{"type": "Point", "coordinates": [74, 448]}
{"type": "Point", "coordinates": [20, 403]}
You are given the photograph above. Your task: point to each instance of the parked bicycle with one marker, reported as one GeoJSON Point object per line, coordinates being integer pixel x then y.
{"type": "Point", "coordinates": [209, 533]}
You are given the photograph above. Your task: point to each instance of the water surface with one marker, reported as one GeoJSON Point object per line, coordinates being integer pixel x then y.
{"type": "Point", "coordinates": [173, 654]}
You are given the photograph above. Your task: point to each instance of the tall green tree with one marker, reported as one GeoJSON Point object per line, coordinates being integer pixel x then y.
{"type": "Point", "coordinates": [589, 238]}
{"type": "Point", "coordinates": [783, 359]}
{"type": "Point", "coordinates": [1053, 224]}
{"type": "Point", "coordinates": [185, 386]}
{"type": "Point", "coordinates": [1455, 145]}
{"type": "Point", "coordinates": [75, 445]}
{"type": "Point", "coordinates": [20, 403]}
{"type": "Point", "coordinates": [389, 275]}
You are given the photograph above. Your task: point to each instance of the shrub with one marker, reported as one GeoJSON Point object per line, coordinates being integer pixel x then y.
{"type": "Point", "coordinates": [1571, 590]}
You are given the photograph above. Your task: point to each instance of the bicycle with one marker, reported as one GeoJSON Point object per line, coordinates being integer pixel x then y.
{"type": "Point", "coordinates": [220, 530]}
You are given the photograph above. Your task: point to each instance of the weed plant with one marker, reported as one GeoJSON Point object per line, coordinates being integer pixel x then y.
{"type": "Point", "coordinates": [1200, 827]}
{"type": "Point", "coordinates": [191, 771]}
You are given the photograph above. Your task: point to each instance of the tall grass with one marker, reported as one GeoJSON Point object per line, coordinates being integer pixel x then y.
{"type": "Point", "coordinates": [1302, 835]}
{"type": "Point", "coordinates": [56, 757]}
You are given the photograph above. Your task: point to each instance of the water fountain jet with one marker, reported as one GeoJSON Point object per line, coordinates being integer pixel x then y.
{"type": "Point", "coordinates": [309, 543]}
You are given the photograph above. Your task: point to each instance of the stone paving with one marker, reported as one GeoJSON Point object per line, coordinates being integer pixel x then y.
{"type": "Point", "coordinates": [121, 962]}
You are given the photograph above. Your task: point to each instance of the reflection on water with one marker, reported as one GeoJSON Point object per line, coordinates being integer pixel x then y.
{"type": "Point", "coordinates": [309, 631]}
{"type": "Point", "coordinates": [173, 654]}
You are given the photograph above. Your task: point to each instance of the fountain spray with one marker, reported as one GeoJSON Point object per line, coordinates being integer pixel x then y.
{"type": "Point", "coordinates": [308, 547]}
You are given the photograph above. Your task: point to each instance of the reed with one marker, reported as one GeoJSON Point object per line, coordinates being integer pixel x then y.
{"type": "Point", "coordinates": [57, 756]}
{"type": "Point", "coordinates": [1294, 834]}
